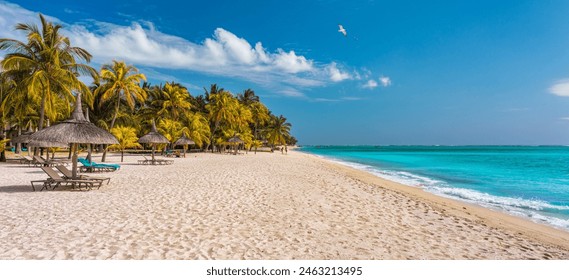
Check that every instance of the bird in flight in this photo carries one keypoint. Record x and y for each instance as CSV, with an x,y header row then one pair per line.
x,y
342,30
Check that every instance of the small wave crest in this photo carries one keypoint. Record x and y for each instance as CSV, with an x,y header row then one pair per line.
x,y
496,201
527,208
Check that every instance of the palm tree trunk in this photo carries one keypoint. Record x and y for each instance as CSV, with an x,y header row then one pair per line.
x,y
42,112
104,157
42,118
3,153
213,135
2,137
89,152
19,145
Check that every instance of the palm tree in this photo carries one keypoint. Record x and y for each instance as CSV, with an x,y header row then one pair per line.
x,y
121,82
223,110
197,127
174,101
279,131
126,137
243,119
3,87
171,129
18,107
260,116
248,97
50,64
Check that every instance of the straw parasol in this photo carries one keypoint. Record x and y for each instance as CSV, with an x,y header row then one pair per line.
x,y
75,130
235,140
185,141
153,137
23,138
46,144
26,138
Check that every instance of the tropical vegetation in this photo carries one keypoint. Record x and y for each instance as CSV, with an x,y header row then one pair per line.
x,y
40,76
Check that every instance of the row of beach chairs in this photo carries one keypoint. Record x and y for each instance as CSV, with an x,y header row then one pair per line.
x,y
55,180
146,161
39,161
97,167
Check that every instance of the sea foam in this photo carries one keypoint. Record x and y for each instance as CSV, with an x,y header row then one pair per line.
x,y
525,208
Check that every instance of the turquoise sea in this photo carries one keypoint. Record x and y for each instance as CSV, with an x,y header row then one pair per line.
x,y
527,181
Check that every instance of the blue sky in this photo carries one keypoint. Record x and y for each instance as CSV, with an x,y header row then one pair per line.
x,y
408,72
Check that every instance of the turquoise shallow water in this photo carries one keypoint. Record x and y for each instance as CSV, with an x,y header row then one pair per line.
x,y
527,181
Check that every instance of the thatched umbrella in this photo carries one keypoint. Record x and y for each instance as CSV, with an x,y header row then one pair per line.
x,y
185,141
75,130
45,144
153,137
26,138
23,138
235,140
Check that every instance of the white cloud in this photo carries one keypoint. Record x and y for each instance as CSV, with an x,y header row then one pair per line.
x,y
564,118
224,53
290,62
385,81
351,98
291,92
561,88
237,47
69,11
335,74
152,48
371,84
325,100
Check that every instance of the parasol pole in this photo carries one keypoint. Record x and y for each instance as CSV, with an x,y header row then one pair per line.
x,y
153,148
74,159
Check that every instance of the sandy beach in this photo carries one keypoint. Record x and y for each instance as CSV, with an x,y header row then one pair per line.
x,y
263,206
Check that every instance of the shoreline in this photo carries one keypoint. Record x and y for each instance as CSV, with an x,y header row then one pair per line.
x,y
541,232
534,208
264,206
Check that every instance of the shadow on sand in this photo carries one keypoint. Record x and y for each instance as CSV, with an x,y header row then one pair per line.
x,y
16,189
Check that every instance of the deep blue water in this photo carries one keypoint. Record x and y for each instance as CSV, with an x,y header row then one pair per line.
x,y
527,181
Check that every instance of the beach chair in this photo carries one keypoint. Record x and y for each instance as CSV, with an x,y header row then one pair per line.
x,y
144,161
67,174
155,161
55,181
93,166
26,160
39,161
160,161
60,161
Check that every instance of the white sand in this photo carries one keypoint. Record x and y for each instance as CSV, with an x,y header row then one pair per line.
x,y
264,206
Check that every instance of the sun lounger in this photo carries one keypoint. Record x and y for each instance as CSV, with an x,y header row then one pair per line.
x,y
26,160
143,161
55,181
155,161
93,166
39,161
67,174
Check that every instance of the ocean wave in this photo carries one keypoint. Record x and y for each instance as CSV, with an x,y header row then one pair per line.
x,y
526,208
498,201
